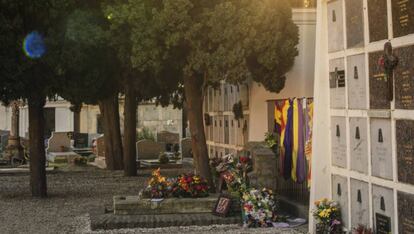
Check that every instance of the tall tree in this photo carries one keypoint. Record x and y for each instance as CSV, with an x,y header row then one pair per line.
x,y
232,40
30,73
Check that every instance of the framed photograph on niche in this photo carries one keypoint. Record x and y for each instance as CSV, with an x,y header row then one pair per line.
x,y
222,206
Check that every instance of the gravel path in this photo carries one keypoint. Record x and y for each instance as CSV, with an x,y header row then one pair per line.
x,y
72,194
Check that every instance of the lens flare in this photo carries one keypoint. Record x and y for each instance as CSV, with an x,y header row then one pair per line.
x,y
34,46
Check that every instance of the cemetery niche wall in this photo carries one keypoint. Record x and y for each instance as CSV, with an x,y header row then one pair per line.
x,y
371,134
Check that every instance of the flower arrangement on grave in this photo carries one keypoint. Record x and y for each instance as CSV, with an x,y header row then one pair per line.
x,y
189,185
259,208
271,141
158,186
328,216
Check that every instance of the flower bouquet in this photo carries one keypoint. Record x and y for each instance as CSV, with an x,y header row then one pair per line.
x,y
259,207
189,185
158,186
328,216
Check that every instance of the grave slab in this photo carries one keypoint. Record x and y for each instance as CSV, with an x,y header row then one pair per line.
x,y
404,78
340,194
402,17
405,150
335,26
357,90
381,148
338,141
378,85
383,209
359,203
337,83
354,23
377,20
359,144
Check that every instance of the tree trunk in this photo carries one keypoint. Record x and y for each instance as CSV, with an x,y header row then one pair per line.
x,y
193,87
130,134
109,108
37,147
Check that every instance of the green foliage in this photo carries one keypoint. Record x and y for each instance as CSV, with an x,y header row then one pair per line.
x,y
145,134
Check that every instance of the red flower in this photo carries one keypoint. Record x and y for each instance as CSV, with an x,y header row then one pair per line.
x,y
244,160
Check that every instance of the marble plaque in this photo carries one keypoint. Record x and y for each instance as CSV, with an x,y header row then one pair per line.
x,y
359,203
340,194
405,213
337,83
405,150
356,78
378,86
338,141
381,150
377,20
335,26
402,17
354,23
404,78
383,208
359,144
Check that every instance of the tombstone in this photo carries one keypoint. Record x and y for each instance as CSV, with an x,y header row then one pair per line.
x,y
186,148
337,83
404,82
377,20
383,209
381,151
335,26
264,168
354,23
402,17
359,144
378,86
81,140
338,141
4,139
405,213
58,142
149,149
340,194
100,146
168,137
359,203
356,78
405,150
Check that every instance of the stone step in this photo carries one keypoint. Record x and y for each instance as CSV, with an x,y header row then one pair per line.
x,y
111,221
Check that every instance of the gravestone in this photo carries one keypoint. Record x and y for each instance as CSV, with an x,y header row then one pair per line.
x,y
359,203
377,20
405,213
337,83
100,146
4,139
378,85
402,17
405,150
81,140
356,78
383,209
338,140
340,194
359,144
335,26
264,168
186,148
404,78
381,151
149,149
58,142
168,137
354,23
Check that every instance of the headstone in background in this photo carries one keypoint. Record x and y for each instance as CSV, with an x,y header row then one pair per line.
x,y
354,23
340,194
264,167
378,86
58,142
383,208
186,148
359,203
377,20
359,144
381,150
168,137
338,141
403,77
402,17
405,150
81,140
149,149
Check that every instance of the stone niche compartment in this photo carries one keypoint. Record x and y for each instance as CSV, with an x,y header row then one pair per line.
x,y
335,26
337,83
381,151
359,144
357,89
404,77
378,85
402,17
338,141
354,23
377,20
405,150
340,194
405,213
383,209
359,203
